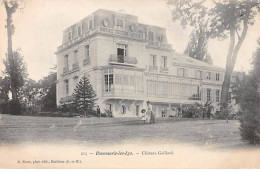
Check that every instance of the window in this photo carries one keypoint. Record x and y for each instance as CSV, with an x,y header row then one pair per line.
x,y
79,30
217,95
164,61
121,52
208,75
66,61
154,63
69,36
217,76
120,23
123,109
137,109
199,74
75,81
66,86
208,94
87,51
150,36
109,107
75,56
181,72
109,80
91,24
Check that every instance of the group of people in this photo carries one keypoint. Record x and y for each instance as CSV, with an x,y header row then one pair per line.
x,y
148,116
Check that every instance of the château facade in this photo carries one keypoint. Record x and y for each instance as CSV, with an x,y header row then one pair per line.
x,y
129,63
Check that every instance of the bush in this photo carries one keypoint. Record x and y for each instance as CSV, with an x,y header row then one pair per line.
x,y
15,107
190,111
249,127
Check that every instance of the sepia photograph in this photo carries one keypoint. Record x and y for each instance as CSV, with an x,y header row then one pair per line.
x,y
130,84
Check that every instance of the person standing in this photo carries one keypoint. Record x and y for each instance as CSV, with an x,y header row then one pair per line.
x,y
149,112
98,112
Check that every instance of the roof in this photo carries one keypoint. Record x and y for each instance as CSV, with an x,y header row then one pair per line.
x,y
184,60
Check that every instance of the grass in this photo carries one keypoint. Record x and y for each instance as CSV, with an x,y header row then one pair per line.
x,y
29,129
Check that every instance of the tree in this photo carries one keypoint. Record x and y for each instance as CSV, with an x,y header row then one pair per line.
x,y
226,18
11,7
247,96
17,81
197,46
19,69
29,95
85,96
47,90
4,98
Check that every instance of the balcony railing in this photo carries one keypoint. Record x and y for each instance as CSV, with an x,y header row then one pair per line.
x,y
65,69
104,30
164,69
75,65
67,99
86,61
158,45
151,68
125,60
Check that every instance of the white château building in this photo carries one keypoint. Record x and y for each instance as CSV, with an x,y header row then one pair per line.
x,y
129,63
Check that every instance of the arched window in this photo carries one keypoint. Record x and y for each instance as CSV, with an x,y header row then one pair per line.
x,y
123,109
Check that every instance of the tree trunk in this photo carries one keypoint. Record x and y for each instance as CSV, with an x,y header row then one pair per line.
x,y
228,72
231,61
9,12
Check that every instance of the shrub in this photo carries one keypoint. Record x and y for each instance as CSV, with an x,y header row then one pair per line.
x,y
249,127
190,111
15,107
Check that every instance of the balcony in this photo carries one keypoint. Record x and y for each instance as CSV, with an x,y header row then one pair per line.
x,y
122,60
159,45
65,69
164,69
102,30
75,65
75,68
153,68
86,61
67,99
133,35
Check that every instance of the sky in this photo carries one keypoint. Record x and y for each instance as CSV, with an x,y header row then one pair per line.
x,y
39,28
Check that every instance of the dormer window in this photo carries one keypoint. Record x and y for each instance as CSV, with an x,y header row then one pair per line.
x,y
217,76
120,23
91,24
164,62
70,36
79,30
208,75
150,36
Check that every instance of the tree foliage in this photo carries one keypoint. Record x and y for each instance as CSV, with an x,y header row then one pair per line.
x,y
47,91
197,46
85,96
225,19
19,70
11,6
247,96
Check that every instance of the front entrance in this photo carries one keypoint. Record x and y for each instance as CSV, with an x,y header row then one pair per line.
x,y
163,112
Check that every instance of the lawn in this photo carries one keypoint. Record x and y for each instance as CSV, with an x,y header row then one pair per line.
x,y
29,129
